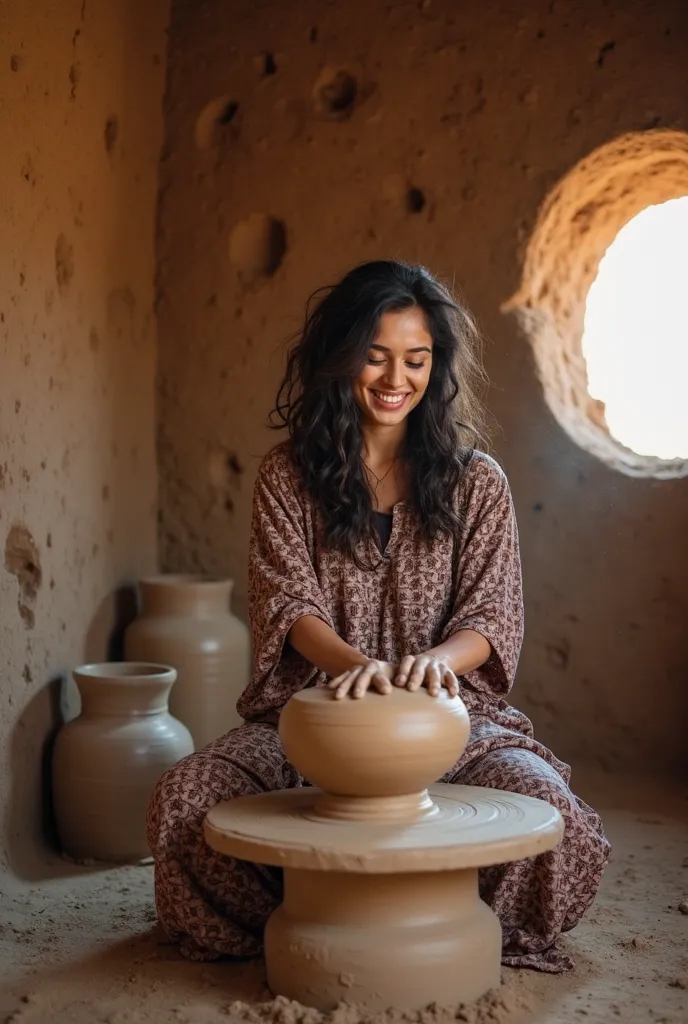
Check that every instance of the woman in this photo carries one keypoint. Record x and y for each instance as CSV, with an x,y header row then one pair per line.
x,y
383,552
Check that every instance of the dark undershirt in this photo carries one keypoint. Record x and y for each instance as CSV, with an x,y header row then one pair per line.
x,y
384,528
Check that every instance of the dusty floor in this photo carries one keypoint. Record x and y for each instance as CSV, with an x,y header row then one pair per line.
x,y
83,947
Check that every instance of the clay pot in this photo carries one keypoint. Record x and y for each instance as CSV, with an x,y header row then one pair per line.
x,y
107,761
370,750
186,621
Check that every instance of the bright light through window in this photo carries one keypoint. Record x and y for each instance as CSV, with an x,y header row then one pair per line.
x,y
635,340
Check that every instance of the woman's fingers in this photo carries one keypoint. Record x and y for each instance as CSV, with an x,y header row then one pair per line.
x,y
362,684
414,671
404,670
359,680
381,683
343,683
417,674
338,680
432,673
451,682
343,689
349,674
417,671
433,678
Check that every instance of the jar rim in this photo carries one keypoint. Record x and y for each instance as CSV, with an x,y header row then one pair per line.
x,y
125,671
175,579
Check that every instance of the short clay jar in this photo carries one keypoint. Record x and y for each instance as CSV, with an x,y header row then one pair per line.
x,y
375,756
107,760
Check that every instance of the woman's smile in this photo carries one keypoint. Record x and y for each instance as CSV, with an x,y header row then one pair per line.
x,y
389,400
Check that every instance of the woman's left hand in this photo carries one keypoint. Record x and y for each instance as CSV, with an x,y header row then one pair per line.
x,y
426,670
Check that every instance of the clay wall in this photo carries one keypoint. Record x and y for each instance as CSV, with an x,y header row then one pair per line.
x,y
80,128
464,117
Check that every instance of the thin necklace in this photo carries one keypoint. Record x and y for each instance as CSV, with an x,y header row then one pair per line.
x,y
380,478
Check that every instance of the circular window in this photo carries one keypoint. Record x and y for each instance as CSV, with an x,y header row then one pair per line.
x,y
605,282
635,336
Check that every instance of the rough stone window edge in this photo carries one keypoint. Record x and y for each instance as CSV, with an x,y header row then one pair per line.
x,y
576,224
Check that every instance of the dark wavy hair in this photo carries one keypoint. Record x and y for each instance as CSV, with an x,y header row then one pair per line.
x,y
316,404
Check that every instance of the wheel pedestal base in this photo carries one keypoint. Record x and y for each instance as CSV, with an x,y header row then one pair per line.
x,y
380,940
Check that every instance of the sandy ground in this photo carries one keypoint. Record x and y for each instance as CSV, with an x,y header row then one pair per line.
x,y
83,947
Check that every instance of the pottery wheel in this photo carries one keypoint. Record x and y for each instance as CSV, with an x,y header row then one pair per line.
x,y
381,905
382,914
472,827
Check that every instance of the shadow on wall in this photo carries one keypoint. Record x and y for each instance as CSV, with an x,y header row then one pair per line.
x,y
33,847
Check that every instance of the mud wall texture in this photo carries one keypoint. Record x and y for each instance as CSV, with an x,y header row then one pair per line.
x,y
302,138
81,124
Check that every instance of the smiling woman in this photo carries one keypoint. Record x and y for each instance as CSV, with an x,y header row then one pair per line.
x,y
397,370
377,399
382,383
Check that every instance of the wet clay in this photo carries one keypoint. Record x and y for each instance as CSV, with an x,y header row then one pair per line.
x,y
381,903
365,752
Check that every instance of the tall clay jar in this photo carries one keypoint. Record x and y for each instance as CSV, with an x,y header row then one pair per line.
x,y
186,621
107,760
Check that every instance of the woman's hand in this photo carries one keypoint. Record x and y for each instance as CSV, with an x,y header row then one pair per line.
x,y
357,681
426,670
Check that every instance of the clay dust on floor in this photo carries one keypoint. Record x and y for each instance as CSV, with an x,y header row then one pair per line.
x,y
84,948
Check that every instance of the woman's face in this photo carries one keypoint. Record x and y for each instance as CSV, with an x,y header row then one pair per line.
x,y
397,372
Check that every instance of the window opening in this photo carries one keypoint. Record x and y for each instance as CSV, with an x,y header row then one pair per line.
x,y
635,337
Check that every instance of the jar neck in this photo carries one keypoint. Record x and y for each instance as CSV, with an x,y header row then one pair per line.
x,y
188,596
126,697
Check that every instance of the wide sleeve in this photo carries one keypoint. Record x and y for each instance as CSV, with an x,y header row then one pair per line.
x,y
488,582
282,587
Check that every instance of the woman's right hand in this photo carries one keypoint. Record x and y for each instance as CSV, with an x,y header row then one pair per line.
x,y
357,681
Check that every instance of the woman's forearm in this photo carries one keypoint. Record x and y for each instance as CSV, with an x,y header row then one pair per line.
x,y
464,651
320,645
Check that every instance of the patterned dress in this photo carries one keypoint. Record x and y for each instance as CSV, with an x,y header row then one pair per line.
x,y
413,599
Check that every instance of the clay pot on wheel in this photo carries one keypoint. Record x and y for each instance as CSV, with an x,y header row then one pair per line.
x,y
377,755
186,621
107,761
